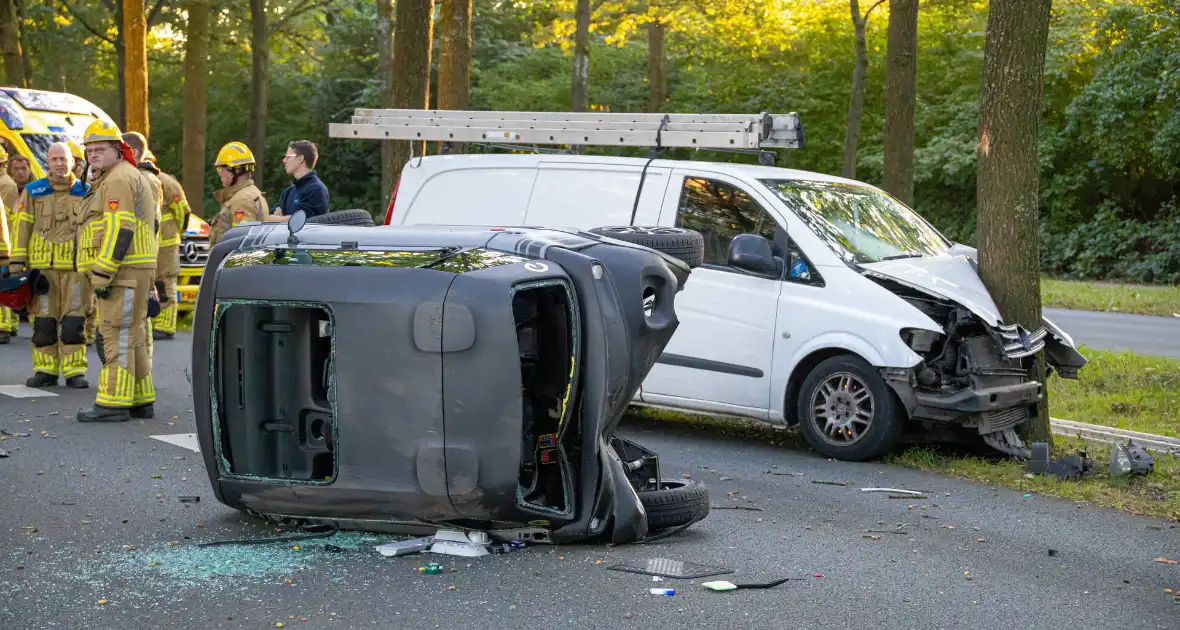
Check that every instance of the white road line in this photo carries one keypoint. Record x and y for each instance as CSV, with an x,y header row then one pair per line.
x,y
183,440
20,391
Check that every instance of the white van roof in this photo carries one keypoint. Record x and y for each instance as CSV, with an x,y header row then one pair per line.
x,y
438,163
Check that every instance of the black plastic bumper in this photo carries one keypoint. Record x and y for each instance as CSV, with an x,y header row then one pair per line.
x,y
976,401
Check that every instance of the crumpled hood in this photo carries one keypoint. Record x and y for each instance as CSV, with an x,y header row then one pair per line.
x,y
950,277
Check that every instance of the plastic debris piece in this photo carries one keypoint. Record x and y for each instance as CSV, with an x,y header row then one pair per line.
x,y
1028,496
665,567
669,592
3,453
432,568
405,547
1165,560
156,477
914,493
720,585
818,575
451,588
456,543
189,499
102,602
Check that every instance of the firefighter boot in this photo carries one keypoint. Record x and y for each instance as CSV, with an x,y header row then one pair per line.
x,y
41,379
103,414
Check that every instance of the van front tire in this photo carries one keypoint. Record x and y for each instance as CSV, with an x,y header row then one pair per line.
x,y
687,246
847,412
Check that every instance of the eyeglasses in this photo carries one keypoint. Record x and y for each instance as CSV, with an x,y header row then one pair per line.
x,y
290,156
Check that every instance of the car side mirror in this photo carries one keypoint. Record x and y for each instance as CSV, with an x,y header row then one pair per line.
x,y
750,252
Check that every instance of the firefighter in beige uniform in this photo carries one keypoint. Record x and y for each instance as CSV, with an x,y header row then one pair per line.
x,y
174,214
47,221
117,248
81,171
240,200
9,196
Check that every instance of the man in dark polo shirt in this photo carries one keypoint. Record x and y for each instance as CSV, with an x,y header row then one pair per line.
x,y
307,193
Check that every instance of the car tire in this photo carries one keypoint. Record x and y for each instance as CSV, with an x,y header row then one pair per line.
x,y
360,218
866,417
687,246
677,502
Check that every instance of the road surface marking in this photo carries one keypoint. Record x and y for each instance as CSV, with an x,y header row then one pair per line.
x,y
20,391
183,440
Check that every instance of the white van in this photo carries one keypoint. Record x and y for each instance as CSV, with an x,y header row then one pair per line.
x,y
821,301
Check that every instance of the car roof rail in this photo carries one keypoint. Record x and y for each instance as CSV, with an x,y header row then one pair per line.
x,y
726,132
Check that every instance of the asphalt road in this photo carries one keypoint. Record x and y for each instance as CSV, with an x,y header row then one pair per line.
x,y
75,501
1145,334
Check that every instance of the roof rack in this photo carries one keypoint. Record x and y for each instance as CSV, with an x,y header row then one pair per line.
x,y
661,131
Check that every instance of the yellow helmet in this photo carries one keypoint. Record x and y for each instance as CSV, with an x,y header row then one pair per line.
x,y
75,150
102,131
3,154
235,154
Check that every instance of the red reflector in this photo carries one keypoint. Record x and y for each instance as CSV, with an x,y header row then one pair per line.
x,y
393,198
496,230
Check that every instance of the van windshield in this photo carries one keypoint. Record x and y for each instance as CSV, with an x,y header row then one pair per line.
x,y
859,224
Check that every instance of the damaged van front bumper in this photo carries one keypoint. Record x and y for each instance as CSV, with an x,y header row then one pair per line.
x,y
467,378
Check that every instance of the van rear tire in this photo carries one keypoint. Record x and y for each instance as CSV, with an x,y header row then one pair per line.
x,y
687,246
360,218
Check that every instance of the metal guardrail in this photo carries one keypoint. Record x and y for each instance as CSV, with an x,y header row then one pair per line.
x,y
1111,435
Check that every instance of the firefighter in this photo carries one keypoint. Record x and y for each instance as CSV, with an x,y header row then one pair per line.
x,y
81,170
240,199
117,249
45,240
9,322
174,214
80,167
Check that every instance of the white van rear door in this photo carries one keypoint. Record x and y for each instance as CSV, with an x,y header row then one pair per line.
x,y
721,356
590,195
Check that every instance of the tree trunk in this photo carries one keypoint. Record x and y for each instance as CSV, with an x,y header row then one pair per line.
x,y
901,75
580,93
857,105
10,48
454,57
657,77
196,55
260,58
135,42
385,63
120,64
412,38
25,54
1008,170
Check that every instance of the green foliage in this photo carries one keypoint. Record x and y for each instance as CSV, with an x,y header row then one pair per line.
x,y
1110,139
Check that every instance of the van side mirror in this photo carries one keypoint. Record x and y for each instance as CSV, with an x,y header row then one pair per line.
x,y
750,252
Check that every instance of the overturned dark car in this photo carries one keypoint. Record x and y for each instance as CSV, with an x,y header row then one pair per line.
x,y
431,376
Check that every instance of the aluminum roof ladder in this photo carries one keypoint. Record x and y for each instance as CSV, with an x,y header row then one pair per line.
x,y
726,132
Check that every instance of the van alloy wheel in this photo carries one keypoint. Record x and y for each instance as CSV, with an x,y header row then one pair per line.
x,y
842,409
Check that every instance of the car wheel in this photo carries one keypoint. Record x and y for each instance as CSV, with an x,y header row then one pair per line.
x,y
344,217
677,502
687,246
847,412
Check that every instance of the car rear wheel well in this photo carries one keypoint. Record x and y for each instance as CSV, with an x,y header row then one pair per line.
x,y
799,374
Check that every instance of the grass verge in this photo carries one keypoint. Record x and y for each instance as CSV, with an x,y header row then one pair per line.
x,y
1123,390
1156,495
1104,296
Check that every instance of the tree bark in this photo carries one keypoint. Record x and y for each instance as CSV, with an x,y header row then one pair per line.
x,y
657,77
1007,167
412,39
135,42
259,83
25,53
454,57
121,64
196,55
857,105
901,76
10,48
385,62
580,92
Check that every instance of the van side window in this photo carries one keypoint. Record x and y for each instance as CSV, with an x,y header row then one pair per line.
x,y
799,269
720,212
